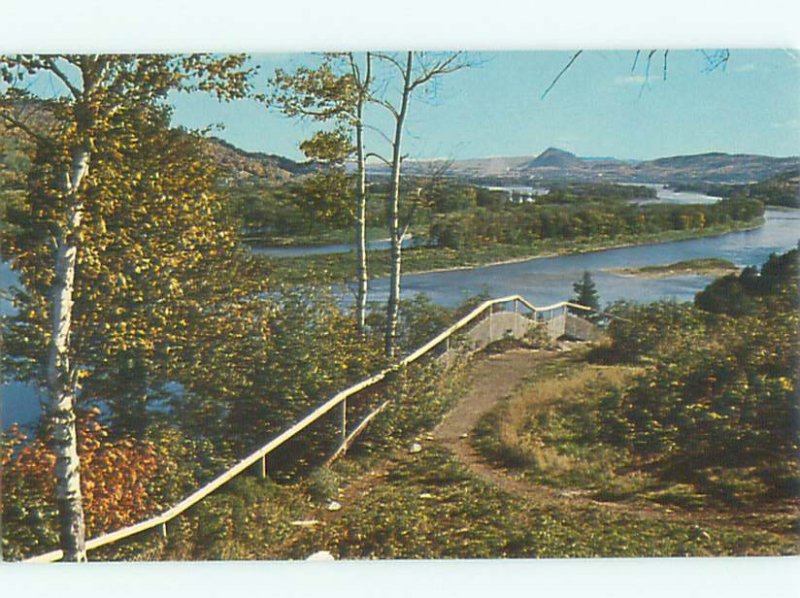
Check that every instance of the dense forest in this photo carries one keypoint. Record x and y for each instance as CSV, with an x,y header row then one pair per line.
x,y
528,223
780,190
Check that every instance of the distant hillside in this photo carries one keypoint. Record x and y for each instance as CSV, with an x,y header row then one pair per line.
x,y
553,157
244,164
554,164
240,163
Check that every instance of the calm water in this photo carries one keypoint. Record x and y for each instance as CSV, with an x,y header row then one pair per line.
x,y
547,280
542,281
664,195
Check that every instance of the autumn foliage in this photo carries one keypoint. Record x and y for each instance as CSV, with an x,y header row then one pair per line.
x,y
117,478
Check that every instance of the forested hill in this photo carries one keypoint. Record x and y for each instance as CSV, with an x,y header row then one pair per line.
x,y
235,161
781,190
244,164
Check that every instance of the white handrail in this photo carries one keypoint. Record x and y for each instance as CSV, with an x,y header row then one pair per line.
x,y
298,427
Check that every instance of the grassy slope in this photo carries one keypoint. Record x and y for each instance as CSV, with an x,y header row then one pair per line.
x,y
427,505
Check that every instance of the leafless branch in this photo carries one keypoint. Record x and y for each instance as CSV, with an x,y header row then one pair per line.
x,y
53,67
561,73
15,123
379,157
635,61
377,130
449,64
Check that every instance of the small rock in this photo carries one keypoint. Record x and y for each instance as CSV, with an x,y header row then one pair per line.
x,y
426,495
321,555
464,435
415,448
334,506
306,523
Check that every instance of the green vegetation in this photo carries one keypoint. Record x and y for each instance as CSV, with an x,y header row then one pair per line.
x,y
428,506
335,268
701,409
706,265
311,350
528,224
781,190
586,292
594,192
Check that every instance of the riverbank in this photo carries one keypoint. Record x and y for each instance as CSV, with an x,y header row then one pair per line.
x,y
334,237
700,267
338,267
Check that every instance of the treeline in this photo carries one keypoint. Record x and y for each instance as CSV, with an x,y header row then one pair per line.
x,y
780,190
525,224
718,405
312,206
591,192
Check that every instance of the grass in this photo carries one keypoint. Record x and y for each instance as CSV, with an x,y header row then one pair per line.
x,y
550,432
335,268
428,506
708,266
545,429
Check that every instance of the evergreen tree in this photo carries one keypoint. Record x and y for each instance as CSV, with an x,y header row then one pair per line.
x,y
586,292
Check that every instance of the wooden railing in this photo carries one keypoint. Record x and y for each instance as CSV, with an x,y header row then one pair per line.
x,y
339,400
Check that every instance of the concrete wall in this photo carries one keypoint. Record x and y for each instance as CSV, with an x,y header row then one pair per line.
x,y
504,324
581,329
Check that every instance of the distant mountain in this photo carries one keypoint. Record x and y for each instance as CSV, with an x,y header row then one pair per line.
x,y
555,164
553,157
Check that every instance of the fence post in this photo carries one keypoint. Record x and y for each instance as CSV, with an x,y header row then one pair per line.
x,y
264,467
344,420
491,332
164,530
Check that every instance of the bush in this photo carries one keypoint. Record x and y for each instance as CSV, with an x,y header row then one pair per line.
x,y
323,484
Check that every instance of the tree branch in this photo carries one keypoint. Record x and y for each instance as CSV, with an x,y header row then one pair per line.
x,y
379,157
18,124
561,73
56,70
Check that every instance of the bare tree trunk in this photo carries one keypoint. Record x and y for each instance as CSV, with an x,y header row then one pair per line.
x,y
61,377
361,197
361,233
395,232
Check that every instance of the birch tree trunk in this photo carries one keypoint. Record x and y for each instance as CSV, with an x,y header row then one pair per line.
x,y
361,230
61,377
395,232
361,197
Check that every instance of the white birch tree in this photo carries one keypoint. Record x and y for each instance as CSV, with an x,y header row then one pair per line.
x,y
92,93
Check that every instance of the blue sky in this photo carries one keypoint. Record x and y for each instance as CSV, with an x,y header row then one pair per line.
x,y
599,107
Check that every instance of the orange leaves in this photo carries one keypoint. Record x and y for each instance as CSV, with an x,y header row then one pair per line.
x,y
115,475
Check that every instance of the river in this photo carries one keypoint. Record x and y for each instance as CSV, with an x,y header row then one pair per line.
x,y
550,279
541,280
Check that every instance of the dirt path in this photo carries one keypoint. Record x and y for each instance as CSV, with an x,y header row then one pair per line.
x,y
496,377
491,380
